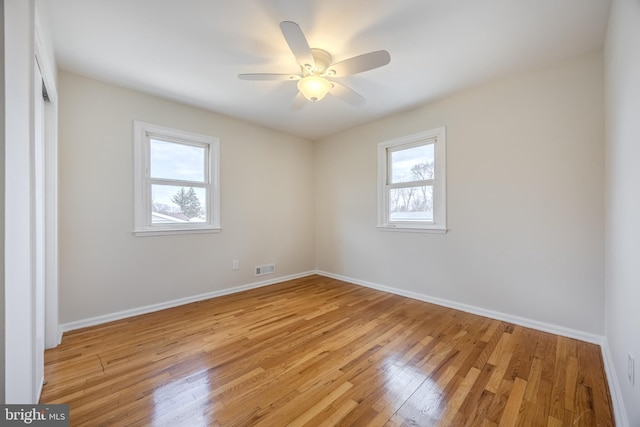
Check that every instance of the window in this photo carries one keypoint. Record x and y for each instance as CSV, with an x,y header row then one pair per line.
x,y
411,183
176,181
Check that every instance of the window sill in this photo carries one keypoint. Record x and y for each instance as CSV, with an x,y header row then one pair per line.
x,y
151,233
409,229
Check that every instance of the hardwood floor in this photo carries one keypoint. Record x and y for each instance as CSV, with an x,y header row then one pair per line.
x,y
320,352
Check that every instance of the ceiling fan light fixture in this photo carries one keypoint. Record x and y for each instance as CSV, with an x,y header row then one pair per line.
x,y
317,69
314,88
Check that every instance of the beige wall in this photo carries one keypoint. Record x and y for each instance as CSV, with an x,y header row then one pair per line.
x,y
21,358
267,183
525,200
622,54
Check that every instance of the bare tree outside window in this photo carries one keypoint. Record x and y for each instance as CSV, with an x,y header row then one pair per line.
x,y
413,202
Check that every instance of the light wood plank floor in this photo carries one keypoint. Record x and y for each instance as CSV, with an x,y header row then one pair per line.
x,y
321,352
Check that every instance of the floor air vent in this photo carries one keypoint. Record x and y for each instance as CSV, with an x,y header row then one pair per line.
x,y
265,269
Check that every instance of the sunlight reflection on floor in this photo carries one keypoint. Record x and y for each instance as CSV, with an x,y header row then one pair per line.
x,y
419,392
183,402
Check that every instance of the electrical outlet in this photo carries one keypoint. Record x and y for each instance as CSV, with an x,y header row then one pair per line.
x,y
631,369
236,264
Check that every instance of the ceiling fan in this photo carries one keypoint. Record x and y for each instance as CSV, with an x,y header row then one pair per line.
x,y
317,69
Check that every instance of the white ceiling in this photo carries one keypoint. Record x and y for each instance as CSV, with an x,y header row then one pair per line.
x,y
193,50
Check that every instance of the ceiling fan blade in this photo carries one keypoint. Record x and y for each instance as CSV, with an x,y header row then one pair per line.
x,y
346,94
358,64
298,102
268,76
297,43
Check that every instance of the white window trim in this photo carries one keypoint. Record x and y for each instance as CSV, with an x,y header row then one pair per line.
x,y
439,223
142,181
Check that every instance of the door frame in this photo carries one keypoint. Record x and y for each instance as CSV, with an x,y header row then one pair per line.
x,y
46,64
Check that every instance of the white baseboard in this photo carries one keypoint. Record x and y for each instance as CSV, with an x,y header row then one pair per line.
x,y
39,391
92,321
617,402
522,321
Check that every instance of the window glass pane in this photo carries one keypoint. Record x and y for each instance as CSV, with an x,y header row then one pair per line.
x,y
411,164
170,160
411,203
172,204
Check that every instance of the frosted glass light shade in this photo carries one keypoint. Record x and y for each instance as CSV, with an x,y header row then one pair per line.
x,y
314,88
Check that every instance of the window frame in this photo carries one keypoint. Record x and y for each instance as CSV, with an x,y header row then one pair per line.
x,y
437,137
143,225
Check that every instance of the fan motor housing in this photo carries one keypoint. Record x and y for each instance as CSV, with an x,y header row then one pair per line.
x,y
322,59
